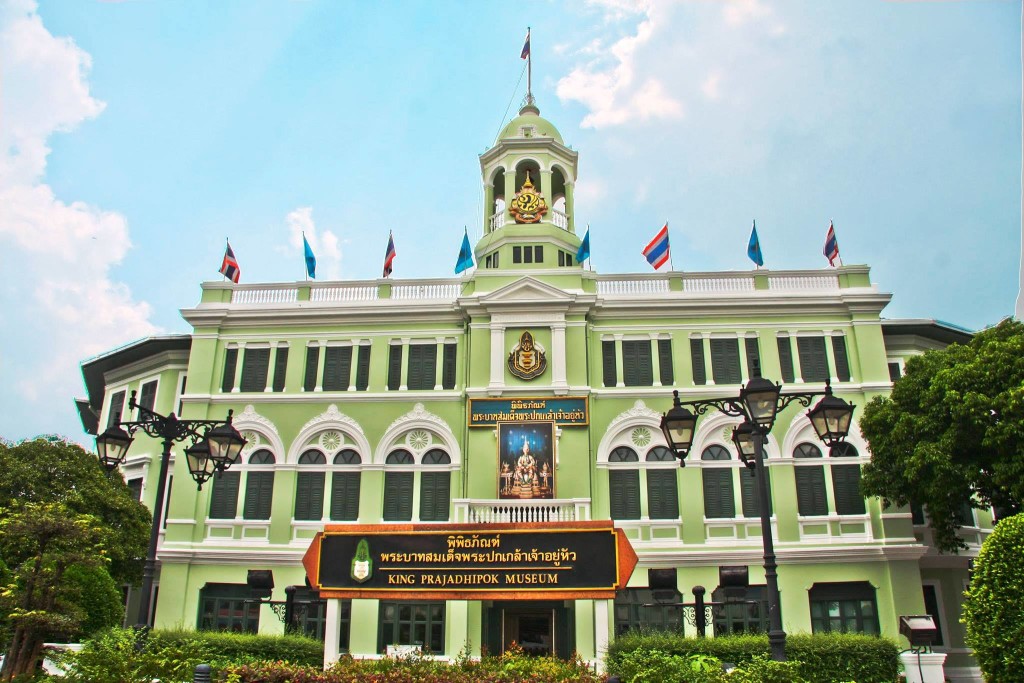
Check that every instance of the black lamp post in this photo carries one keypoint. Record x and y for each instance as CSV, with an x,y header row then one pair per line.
x,y
216,445
758,404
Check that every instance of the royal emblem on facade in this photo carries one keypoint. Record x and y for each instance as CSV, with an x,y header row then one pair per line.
x,y
528,206
526,360
362,565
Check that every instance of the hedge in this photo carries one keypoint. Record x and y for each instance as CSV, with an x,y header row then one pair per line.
x,y
248,647
824,657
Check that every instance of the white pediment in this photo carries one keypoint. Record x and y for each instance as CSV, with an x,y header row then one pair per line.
x,y
527,290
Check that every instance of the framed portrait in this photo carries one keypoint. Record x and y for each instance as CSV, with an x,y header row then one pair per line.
x,y
526,460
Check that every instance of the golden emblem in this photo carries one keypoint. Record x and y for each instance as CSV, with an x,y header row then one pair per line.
x,y
527,361
528,206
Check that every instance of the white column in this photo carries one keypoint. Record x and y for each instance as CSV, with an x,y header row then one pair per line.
x,y
931,668
558,378
439,364
238,368
601,610
619,365
271,364
830,358
709,367
403,385
741,342
794,352
497,356
655,360
320,365
332,631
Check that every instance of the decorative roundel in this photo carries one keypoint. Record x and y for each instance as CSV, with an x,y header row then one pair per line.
x,y
641,436
418,439
252,440
727,434
331,440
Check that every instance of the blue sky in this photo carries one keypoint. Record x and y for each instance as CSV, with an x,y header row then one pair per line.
x,y
136,136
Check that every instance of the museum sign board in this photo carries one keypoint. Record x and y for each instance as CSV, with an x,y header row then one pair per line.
x,y
564,411
540,561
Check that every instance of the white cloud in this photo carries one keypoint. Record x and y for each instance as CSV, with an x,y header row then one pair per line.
x,y
712,85
61,304
325,245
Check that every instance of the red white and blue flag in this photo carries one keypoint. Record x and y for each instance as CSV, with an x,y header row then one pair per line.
x,y
389,255
831,250
229,266
526,46
657,252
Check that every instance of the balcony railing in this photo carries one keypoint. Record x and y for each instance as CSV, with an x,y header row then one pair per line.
x,y
502,511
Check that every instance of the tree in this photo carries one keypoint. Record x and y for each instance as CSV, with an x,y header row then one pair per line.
x,y
993,611
951,434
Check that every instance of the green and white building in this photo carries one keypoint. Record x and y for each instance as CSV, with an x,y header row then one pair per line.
x,y
355,400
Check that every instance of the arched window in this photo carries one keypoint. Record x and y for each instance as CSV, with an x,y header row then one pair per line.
x,y
810,481
398,487
719,495
435,487
309,486
624,485
662,486
345,483
846,482
259,486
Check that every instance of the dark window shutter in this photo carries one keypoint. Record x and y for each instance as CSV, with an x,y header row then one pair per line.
x,y
147,395
719,498
337,368
624,489
280,368
259,494
750,494
230,359
842,360
753,356
135,488
363,368
345,496
637,369
786,359
665,362
434,496
810,491
448,368
813,362
517,254
255,364
931,607
309,496
224,500
395,367
116,407
398,496
846,486
725,361
312,361
422,366
894,371
608,362
662,494
700,376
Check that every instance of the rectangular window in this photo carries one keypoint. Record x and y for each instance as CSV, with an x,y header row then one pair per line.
x,y
227,607
719,497
846,486
637,369
448,367
844,608
561,258
395,367
624,489
228,380
312,364
636,608
931,607
345,496
495,262
116,407
568,259
842,360
665,362
527,254
422,366
255,364
434,496
786,359
813,361
147,395
181,392
753,356
412,623
363,368
894,371
398,496
337,368
746,612
224,500
751,494
259,494
517,254
309,496
700,375
538,254
662,494
725,361
135,488
608,368
810,490
280,368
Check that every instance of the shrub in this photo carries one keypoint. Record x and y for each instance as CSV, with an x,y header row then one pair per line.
x,y
249,647
993,612
123,655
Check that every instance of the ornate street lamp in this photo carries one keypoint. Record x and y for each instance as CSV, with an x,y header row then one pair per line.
x,y
216,445
759,402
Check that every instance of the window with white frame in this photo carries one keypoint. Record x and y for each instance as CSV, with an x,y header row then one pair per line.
x,y
812,489
660,477
309,486
432,475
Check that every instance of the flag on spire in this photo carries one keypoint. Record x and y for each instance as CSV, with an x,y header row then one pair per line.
x,y
310,258
584,251
465,254
831,250
754,247
229,266
526,46
389,255
657,251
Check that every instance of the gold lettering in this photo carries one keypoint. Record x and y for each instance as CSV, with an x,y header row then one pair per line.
x,y
401,579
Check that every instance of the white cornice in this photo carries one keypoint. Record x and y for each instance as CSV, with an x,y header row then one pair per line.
x,y
809,553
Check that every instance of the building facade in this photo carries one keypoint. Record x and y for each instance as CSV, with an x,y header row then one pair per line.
x,y
413,401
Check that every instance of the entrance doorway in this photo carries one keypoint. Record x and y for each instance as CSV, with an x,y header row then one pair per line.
x,y
531,629
540,627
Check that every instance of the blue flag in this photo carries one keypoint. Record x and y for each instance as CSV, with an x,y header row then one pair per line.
x,y
310,259
465,255
584,252
754,247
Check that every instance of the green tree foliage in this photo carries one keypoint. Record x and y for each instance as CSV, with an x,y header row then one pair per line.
x,y
951,434
993,611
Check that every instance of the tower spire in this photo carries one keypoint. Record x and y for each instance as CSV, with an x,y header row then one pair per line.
x,y
526,54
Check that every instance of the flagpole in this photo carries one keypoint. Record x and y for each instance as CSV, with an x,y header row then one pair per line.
x,y
529,69
305,266
832,224
671,264
227,243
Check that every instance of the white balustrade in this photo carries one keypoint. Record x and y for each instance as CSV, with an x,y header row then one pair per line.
x,y
718,285
803,282
559,219
343,293
445,291
497,220
512,511
634,287
274,295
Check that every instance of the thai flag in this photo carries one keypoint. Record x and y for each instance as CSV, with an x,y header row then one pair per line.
x,y
656,252
831,250
526,46
229,266
389,255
